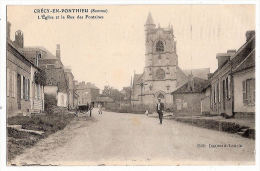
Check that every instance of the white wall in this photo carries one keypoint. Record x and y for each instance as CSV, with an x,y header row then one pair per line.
x,y
238,91
51,90
62,99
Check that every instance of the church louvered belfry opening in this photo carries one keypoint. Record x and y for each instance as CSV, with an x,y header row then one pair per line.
x,y
159,46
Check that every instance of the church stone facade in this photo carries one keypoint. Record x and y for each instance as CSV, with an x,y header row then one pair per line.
x,y
161,74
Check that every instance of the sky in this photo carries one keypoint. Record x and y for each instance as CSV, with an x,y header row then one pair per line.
x,y
108,51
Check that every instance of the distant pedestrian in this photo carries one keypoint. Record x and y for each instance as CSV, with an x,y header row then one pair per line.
x,y
91,106
99,108
160,109
146,112
87,107
76,112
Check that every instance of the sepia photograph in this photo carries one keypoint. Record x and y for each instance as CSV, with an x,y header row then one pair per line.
x,y
130,85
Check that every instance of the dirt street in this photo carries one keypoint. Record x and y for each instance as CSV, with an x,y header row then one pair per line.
x,y
130,139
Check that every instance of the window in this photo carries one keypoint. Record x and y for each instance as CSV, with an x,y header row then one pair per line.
x,y
249,92
214,94
160,73
38,55
24,87
28,89
226,87
159,46
13,83
229,86
8,82
161,96
219,92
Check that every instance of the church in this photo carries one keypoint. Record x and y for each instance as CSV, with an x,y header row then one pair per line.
x,y
161,74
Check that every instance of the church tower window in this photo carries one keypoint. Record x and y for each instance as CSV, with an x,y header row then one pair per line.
x,y
159,46
160,73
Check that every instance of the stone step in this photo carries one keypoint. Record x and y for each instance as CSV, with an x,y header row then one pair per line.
x,y
243,129
19,128
241,133
14,126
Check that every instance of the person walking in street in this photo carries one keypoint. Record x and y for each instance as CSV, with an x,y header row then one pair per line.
x,y
160,109
90,109
99,108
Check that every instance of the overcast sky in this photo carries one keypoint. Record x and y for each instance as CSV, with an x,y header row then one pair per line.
x,y
108,51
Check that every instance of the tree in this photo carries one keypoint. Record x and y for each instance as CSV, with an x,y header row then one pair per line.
x,y
113,93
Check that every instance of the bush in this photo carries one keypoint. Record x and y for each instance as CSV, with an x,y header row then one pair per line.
x,y
50,102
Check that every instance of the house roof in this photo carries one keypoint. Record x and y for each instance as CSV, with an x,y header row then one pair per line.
x,y
239,56
48,54
56,77
20,53
248,62
88,85
193,85
137,78
181,77
200,72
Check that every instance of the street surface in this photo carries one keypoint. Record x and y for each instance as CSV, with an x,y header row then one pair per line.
x,y
130,139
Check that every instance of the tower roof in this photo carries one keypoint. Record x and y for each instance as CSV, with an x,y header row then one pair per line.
x,y
149,20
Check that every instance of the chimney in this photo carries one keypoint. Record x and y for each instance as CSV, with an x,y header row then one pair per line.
x,y
222,58
58,51
8,30
209,75
19,39
231,51
250,34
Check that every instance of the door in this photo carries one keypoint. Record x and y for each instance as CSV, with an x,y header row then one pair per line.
x,y
19,91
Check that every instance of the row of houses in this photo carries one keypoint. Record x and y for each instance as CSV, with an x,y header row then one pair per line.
x,y
229,91
35,75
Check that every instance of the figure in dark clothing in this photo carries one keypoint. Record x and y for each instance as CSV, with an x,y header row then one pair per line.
x,y
87,106
90,109
160,109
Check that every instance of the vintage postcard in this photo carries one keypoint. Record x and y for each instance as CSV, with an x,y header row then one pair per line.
x,y
130,85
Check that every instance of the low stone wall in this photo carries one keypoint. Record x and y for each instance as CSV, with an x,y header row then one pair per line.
x,y
219,125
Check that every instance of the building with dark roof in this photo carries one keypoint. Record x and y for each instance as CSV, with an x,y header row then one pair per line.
x,y
233,83
87,93
187,97
58,81
24,91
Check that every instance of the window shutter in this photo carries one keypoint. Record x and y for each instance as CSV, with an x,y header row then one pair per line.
x,y
244,93
229,86
7,82
26,89
23,89
218,93
29,85
14,88
248,91
253,91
